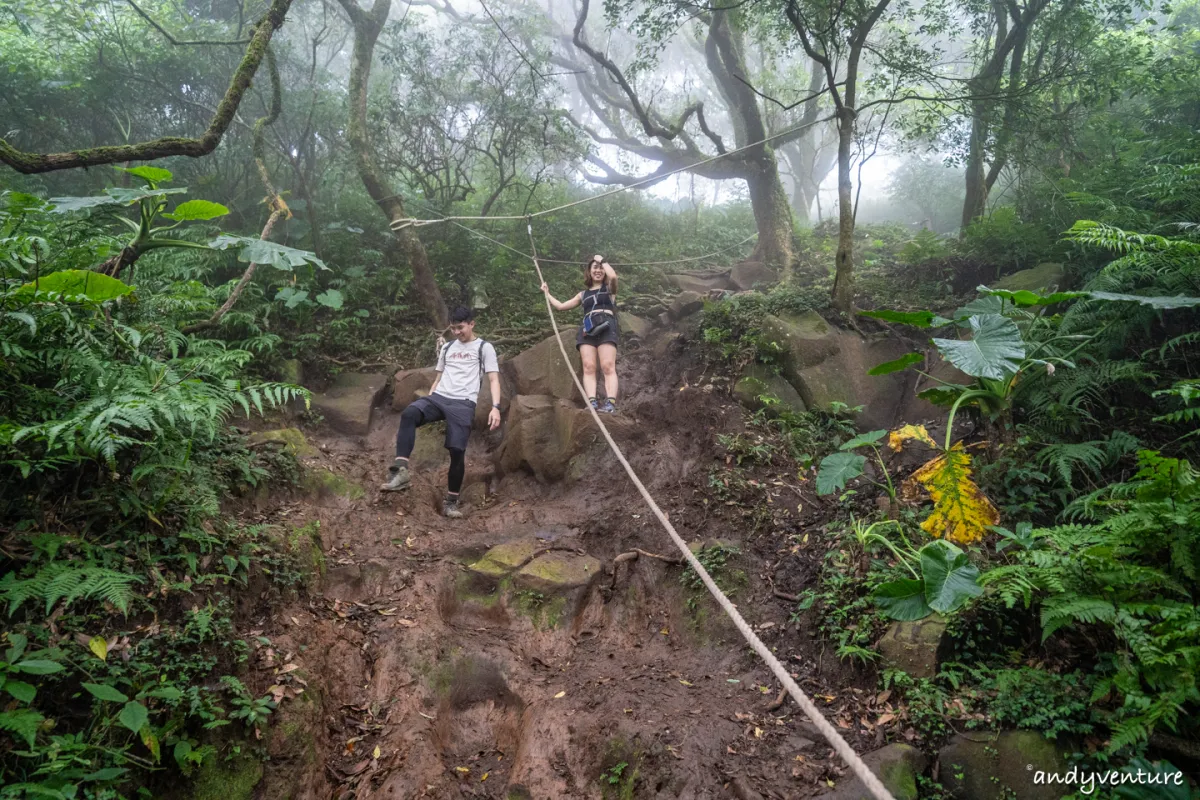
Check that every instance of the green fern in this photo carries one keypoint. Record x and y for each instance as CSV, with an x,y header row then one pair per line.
x,y
22,722
69,583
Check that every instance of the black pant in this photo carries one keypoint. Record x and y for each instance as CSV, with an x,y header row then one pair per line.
x,y
458,416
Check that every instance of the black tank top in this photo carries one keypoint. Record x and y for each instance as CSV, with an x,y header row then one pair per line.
x,y
598,299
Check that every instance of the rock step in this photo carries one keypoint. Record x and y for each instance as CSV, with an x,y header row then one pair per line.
x,y
349,404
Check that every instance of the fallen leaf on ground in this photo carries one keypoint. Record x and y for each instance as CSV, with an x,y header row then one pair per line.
x,y
376,753
560,694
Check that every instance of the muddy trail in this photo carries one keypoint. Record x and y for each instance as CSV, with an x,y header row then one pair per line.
x,y
428,664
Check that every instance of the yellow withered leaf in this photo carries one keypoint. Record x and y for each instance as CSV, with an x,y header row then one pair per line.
x,y
99,647
898,437
961,512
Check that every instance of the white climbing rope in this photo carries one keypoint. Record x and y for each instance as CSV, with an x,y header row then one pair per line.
x,y
861,770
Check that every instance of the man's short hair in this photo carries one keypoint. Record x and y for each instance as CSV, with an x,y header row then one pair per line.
x,y
462,314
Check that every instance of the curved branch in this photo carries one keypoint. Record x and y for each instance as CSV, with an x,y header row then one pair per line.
x,y
32,163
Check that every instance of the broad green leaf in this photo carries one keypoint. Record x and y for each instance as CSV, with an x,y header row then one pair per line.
x,y
980,305
251,250
109,773
942,395
16,647
903,599
197,210
134,716
21,316
78,283
836,469
164,693
917,319
1152,781
871,437
65,205
99,647
21,690
130,196
950,578
903,362
292,297
1024,297
1179,301
183,749
18,202
994,350
102,691
38,666
330,298
155,174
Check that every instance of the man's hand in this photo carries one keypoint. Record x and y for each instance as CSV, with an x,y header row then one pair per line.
x,y
494,419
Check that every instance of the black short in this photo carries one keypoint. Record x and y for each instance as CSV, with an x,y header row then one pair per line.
x,y
459,416
610,336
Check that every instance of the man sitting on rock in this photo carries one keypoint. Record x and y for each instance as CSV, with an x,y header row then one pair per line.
x,y
460,368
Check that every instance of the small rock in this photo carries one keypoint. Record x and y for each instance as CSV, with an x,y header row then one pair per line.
x,y
292,439
558,572
635,326
758,381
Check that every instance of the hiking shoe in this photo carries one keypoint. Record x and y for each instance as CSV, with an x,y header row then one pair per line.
x,y
609,407
451,510
399,481
592,402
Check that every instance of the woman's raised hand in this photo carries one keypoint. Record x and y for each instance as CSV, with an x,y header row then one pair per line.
x,y
545,288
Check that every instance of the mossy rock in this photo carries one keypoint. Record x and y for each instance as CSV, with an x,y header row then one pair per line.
x,y
324,482
504,559
218,779
292,440
1045,276
291,371
997,766
912,645
757,381
558,572
305,543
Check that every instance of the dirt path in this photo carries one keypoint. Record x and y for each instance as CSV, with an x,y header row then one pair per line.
x,y
423,684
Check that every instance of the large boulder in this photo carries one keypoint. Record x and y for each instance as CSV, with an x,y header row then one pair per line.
x,y
349,404
540,369
701,283
827,365
995,766
685,304
912,645
751,274
635,326
1048,276
897,767
758,380
544,434
409,384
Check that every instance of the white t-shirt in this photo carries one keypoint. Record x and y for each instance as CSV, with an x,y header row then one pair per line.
x,y
459,364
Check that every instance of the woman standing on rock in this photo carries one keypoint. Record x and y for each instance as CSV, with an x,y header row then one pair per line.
x,y
598,335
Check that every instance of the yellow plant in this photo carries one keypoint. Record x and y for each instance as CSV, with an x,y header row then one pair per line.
x,y
961,511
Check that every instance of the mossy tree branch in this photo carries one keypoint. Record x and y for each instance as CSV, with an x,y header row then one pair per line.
x,y
32,163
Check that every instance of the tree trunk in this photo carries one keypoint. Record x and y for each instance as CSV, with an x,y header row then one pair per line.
x,y
975,202
772,215
843,280
367,28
